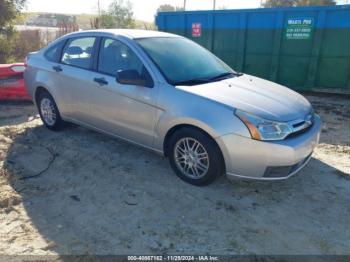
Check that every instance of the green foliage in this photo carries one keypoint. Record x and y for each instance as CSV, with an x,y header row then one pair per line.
x,y
315,2
169,8
291,3
21,18
118,15
5,50
279,3
9,10
24,42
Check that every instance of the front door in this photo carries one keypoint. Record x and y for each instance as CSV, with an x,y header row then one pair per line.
x,y
124,110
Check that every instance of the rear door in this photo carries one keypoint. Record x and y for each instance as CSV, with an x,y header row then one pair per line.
x,y
47,72
125,110
74,71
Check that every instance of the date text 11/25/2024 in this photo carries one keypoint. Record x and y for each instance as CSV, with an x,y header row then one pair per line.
x,y
173,258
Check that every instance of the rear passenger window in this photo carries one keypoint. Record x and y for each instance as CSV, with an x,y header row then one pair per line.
x,y
78,52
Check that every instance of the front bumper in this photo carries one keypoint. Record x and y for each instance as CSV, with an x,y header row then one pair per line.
x,y
248,158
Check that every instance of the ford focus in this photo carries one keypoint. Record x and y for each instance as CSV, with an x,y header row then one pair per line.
x,y
168,94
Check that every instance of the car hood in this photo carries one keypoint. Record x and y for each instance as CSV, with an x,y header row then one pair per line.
x,y
255,95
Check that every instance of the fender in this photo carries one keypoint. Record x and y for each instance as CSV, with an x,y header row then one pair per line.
x,y
181,108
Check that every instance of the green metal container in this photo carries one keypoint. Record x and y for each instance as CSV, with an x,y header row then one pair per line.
x,y
305,48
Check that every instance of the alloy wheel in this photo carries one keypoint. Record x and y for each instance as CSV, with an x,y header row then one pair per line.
x,y
48,111
191,158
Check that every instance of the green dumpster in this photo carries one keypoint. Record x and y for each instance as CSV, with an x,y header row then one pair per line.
x,y
305,48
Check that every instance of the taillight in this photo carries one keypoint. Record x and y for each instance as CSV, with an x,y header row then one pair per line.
x,y
18,68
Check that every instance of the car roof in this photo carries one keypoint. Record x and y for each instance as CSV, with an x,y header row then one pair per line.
x,y
129,33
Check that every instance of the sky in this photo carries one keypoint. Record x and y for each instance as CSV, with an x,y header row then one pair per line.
x,y
143,9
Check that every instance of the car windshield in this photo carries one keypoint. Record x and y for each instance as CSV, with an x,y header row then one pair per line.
x,y
183,62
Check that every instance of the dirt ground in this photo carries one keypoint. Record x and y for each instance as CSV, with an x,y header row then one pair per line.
x,y
80,192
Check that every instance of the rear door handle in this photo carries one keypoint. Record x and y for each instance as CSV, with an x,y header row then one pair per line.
x,y
57,68
101,81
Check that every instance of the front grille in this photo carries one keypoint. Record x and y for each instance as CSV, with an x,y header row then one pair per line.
x,y
301,126
297,133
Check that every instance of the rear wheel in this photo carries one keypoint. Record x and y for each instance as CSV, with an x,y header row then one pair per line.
x,y
48,111
195,157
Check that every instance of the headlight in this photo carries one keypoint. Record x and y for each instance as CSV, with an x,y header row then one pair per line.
x,y
262,129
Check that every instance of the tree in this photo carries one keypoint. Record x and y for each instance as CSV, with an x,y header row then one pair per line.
x,y
169,8
9,10
279,3
25,41
118,15
165,8
291,3
315,2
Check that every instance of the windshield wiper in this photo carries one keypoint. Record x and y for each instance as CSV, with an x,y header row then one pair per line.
x,y
192,82
207,80
224,76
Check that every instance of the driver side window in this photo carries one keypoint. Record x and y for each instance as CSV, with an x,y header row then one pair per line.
x,y
115,56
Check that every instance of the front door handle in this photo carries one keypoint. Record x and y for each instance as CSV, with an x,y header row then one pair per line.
x,y
101,81
57,68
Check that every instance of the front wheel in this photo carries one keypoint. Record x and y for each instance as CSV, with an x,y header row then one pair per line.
x,y
195,157
49,112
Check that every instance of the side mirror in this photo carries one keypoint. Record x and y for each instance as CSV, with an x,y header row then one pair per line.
x,y
130,77
74,50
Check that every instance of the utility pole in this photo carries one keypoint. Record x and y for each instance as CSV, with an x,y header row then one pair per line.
x,y
184,5
98,8
214,4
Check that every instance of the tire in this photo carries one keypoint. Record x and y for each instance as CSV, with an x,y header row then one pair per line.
x,y
49,112
195,157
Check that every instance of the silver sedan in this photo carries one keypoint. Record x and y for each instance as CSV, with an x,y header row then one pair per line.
x,y
168,94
